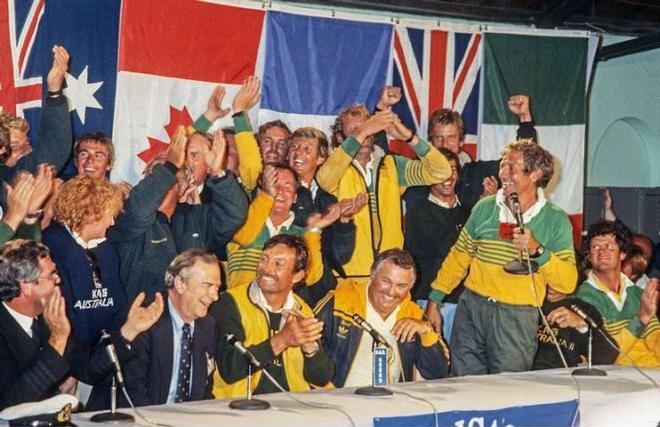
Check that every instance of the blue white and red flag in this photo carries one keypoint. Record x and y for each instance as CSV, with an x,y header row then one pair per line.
x,y
315,67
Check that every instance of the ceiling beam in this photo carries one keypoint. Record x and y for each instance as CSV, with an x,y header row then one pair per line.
x,y
617,50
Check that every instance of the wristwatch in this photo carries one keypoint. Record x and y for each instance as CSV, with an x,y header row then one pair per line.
x,y
538,253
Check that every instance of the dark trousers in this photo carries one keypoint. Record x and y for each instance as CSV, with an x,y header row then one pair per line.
x,y
490,337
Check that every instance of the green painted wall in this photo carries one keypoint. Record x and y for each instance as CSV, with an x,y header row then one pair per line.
x,y
623,136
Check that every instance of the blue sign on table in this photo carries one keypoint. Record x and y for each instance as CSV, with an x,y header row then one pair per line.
x,y
562,414
380,367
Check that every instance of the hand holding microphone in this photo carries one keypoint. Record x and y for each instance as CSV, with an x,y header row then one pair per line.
x,y
522,239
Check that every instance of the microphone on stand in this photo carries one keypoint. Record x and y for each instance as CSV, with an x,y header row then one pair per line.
x,y
518,266
117,379
112,354
249,403
517,212
375,335
379,367
588,371
251,358
584,316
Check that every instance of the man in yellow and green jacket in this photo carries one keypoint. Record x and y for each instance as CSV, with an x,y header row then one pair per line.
x,y
357,166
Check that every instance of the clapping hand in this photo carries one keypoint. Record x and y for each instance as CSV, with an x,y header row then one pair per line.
x,y
140,318
349,207
58,70
215,157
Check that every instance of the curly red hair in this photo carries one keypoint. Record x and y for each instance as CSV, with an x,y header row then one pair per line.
x,y
84,200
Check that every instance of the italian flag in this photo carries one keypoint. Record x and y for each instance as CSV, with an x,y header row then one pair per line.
x,y
554,72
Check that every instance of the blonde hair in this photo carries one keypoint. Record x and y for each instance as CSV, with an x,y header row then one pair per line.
x,y
12,122
534,157
337,128
309,132
84,200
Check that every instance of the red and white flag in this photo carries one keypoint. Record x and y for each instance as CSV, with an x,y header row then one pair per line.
x,y
172,54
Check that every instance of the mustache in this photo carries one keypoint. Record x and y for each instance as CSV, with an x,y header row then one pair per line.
x,y
262,275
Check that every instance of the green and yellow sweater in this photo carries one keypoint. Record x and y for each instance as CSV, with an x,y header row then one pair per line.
x,y
639,342
481,249
378,227
245,248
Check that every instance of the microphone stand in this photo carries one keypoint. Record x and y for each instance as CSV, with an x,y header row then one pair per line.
x,y
519,267
591,325
247,404
589,371
117,380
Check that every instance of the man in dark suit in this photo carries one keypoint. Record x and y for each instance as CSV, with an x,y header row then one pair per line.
x,y
38,353
174,359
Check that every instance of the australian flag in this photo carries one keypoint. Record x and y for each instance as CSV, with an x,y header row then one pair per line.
x,y
88,30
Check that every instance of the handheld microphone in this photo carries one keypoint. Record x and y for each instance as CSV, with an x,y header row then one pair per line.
x,y
110,349
249,356
375,335
584,316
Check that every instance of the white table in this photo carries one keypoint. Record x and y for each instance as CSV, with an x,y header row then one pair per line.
x,y
623,398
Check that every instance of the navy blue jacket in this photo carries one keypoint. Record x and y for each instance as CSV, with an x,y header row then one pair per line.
x,y
32,370
148,241
149,372
90,308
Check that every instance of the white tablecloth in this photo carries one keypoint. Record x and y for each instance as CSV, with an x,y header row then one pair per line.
x,y
623,398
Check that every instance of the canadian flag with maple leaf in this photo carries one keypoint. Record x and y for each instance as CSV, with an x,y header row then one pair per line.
x,y
167,70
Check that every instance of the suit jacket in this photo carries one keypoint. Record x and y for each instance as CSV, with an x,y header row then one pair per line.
x,y
30,369
149,372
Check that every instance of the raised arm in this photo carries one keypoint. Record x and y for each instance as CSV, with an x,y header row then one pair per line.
x,y
141,207
54,134
520,106
431,168
334,168
228,208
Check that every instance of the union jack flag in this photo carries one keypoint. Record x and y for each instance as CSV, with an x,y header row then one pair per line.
x,y
18,26
437,69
